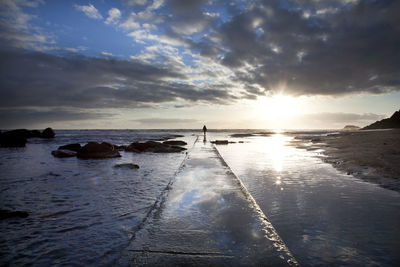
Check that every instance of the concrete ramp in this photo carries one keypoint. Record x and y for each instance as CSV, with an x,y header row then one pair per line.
x,y
206,217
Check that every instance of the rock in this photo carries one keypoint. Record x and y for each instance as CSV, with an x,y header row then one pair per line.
x,y
63,153
35,133
242,135
15,138
72,147
169,136
6,214
127,165
18,138
94,150
390,123
152,146
120,148
140,147
220,142
351,128
48,133
175,143
167,149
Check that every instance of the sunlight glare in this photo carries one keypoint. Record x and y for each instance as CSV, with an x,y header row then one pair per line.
x,y
277,106
277,148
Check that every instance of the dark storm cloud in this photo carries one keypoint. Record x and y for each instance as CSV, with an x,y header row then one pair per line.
x,y
302,47
313,47
38,79
13,118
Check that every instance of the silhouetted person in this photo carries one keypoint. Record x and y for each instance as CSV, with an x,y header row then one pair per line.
x,y
204,131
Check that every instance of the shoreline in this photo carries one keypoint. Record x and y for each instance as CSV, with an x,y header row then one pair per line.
x,y
373,156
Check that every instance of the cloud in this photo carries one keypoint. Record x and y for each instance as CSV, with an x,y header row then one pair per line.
x,y
89,11
15,28
29,117
82,82
212,52
130,23
334,51
135,2
114,16
106,54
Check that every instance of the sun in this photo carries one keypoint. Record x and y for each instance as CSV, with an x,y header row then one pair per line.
x,y
276,110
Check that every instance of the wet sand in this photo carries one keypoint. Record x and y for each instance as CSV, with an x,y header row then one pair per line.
x,y
373,156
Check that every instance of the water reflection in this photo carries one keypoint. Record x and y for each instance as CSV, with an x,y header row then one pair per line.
x,y
322,215
276,148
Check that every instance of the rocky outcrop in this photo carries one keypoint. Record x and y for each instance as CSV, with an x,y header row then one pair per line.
x,y
6,214
127,166
15,138
94,150
63,153
168,136
175,143
222,142
18,138
72,147
48,133
152,146
351,128
242,135
120,148
389,123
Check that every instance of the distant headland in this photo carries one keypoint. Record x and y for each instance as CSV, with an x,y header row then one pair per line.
x,y
389,123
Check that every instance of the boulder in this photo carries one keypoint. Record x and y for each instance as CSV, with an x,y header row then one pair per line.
x,y
152,146
220,142
127,166
242,135
94,150
48,133
169,136
63,153
72,147
14,138
35,133
167,149
120,148
6,214
140,147
175,143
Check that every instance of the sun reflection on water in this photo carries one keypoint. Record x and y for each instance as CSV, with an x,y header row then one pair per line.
x,y
276,147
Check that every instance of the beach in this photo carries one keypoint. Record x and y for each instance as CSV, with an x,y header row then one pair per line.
x,y
258,197
372,155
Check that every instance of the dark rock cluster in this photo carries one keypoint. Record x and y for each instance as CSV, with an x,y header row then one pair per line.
x,y
6,214
126,166
155,147
94,150
91,150
18,138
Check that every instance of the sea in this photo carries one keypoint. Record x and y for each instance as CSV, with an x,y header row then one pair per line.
x,y
85,212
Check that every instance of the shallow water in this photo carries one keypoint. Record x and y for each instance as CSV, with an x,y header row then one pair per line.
x,y
85,212
81,211
324,216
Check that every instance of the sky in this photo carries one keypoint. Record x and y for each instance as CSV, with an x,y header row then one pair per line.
x,y
169,64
